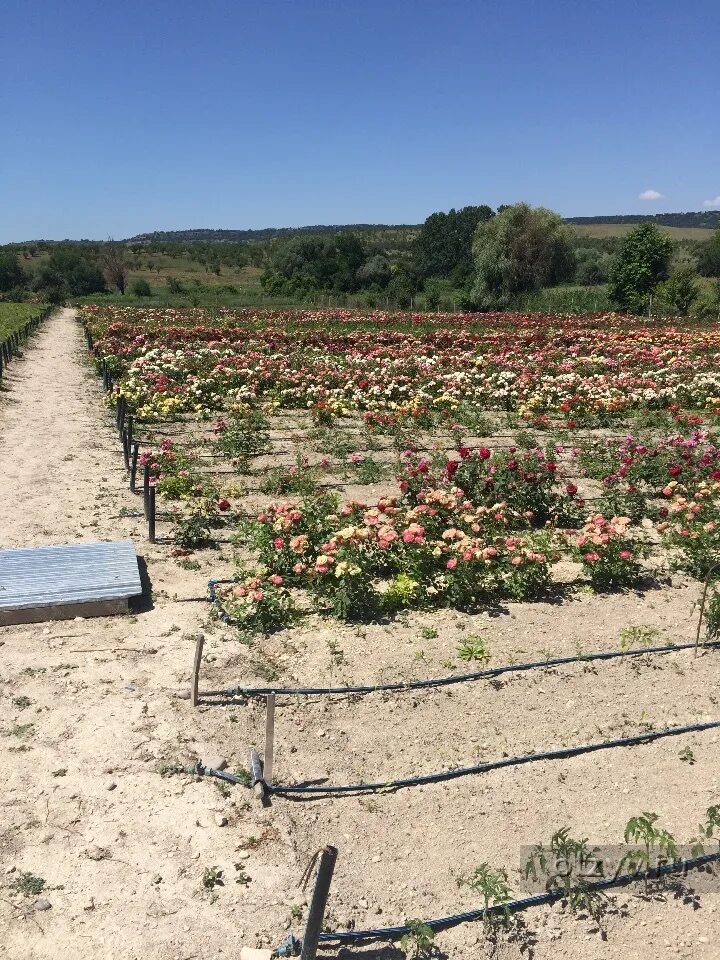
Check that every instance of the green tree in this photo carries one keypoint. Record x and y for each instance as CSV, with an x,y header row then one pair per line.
x,y
12,274
375,272
444,245
518,251
709,258
680,290
141,288
403,286
642,264
65,273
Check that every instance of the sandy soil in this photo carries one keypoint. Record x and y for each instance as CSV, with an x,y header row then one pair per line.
x,y
92,728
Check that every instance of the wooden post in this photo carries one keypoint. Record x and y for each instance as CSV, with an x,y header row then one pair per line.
x,y
326,868
133,464
146,490
269,738
151,515
199,643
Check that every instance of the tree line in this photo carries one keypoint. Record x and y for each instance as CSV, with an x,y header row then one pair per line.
x,y
474,258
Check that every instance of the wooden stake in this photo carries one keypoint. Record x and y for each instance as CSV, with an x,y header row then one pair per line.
x,y
316,914
146,490
199,643
151,515
133,464
269,738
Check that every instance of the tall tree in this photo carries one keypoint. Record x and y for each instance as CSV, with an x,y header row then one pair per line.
x,y
709,259
444,245
520,250
12,274
643,263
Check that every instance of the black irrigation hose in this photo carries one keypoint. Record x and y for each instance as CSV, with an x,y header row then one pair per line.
x,y
434,682
515,906
562,753
448,681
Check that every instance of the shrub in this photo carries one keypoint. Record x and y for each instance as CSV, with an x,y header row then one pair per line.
x,y
610,557
141,288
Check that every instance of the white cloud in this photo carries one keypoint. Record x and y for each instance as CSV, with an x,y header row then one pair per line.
x,y
650,195
715,202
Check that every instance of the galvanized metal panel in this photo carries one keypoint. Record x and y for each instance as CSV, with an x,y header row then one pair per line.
x,y
78,573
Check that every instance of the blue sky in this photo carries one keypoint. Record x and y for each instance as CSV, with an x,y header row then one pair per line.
x,y
164,114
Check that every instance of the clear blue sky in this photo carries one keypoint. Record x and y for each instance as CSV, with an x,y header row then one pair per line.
x,y
123,117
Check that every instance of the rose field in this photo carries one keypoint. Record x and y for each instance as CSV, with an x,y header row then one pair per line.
x,y
368,465
472,561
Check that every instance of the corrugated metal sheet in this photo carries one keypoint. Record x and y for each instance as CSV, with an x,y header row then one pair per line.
x,y
81,573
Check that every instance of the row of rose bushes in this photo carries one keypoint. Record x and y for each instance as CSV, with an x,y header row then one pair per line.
x,y
467,531
574,367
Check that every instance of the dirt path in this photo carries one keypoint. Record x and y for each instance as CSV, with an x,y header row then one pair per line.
x,y
85,737
93,739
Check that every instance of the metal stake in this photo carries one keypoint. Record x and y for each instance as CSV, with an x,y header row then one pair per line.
x,y
326,868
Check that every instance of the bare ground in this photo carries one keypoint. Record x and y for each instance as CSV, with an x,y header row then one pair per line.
x,y
123,848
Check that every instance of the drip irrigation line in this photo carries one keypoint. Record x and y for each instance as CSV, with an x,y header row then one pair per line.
x,y
453,679
381,787
450,680
515,906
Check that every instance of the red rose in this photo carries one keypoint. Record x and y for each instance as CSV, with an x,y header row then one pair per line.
x,y
464,452
675,471
571,489
484,453
223,505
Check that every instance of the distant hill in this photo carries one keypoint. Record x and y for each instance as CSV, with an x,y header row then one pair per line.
x,y
706,219
268,233
703,219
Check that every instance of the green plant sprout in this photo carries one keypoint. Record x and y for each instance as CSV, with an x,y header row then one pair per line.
x,y
707,830
493,887
641,636
419,941
642,830
474,647
569,863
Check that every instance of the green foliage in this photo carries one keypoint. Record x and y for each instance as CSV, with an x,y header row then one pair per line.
x,y
474,647
443,247
12,274
709,258
638,636
566,864
243,437
521,249
212,877
493,887
679,291
67,273
592,266
14,316
403,286
642,263
307,263
712,614
419,941
141,288
28,884
655,843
